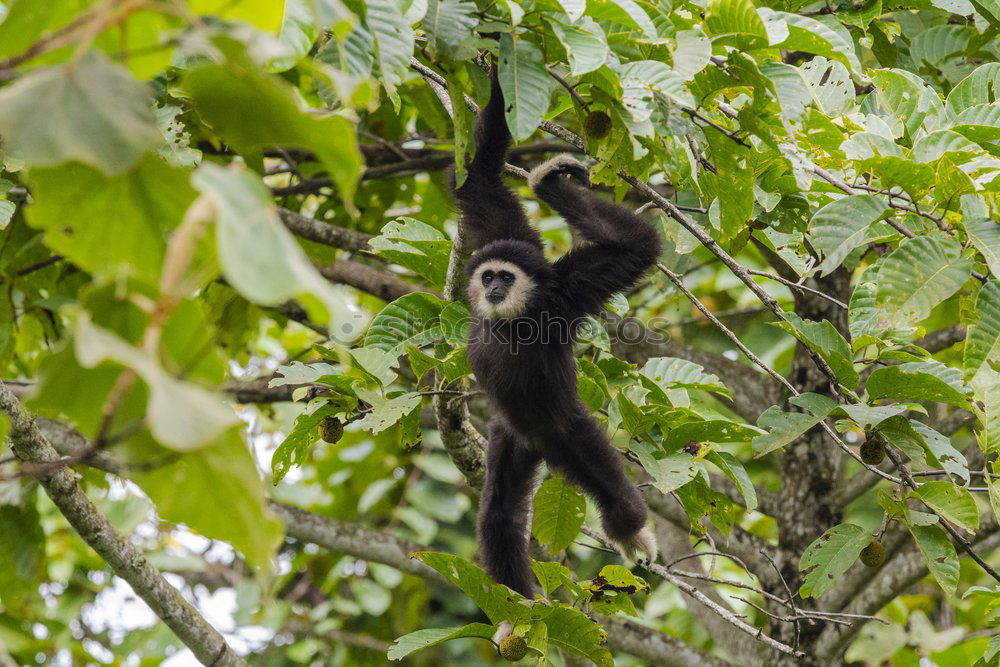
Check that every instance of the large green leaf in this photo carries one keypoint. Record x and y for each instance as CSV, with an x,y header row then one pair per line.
x,y
737,22
907,97
986,390
830,556
673,373
585,43
919,381
412,319
982,342
560,509
525,85
259,256
181,415
416,246
692,53
421,639
824,339
643,81
23,542
954,503
917,276
843,225
784,427
449,25
394,41
979,87
813,35
215,491
735,471
112,226
938,553
90,111
252,110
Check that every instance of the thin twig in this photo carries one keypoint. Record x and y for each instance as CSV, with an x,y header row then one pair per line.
x,y
798,286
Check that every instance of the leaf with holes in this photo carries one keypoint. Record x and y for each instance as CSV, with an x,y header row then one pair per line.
x,y
830,556
843,225
954,503
938,553
525,85
919,381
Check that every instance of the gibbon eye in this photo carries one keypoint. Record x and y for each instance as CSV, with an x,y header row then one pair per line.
x,y
487,277
506,276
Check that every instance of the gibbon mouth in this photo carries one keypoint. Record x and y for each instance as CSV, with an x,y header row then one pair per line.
x,y
496,297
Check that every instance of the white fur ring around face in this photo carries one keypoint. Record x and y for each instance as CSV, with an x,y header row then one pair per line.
x,y
640,547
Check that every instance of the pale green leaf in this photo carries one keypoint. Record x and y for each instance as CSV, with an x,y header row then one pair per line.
x,y
181,415
416,246
259,256
560,509
982,342
449,24
585,43
843,225
954,503
919,381
421,639
917,276
830,556
737,21
92,112
412,319
939,555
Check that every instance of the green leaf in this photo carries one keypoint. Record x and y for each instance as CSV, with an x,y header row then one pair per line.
x,y
954,503
843,225
672,373
906,97
552,575
585,43
114,227
498,602
862,314
692,52
216,491
421,639
989,10
737,22
643,80
412,319
986,390
917,276
560,509
871,415
259,256
814,35
979,87
939,555
935,145
294,449
181,415
23,543
394,40
416,246
985,236
980,123
449,24
829,556
90,111
628,12
734,470
386,412
525,85
919,381
252,110
823,338
784,427
982,343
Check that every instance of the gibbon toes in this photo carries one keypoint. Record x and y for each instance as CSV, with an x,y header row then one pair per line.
x,y
640,547
560,164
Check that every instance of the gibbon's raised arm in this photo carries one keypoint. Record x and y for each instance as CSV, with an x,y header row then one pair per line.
x,y
490,211
621,245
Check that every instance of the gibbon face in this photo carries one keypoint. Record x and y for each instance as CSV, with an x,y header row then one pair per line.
x,y
499,289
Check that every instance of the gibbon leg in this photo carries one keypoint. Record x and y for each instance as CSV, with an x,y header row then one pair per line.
x,y
587,458
503,509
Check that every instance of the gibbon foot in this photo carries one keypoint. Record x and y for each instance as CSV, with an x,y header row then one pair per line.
x,y
560,164
503,631
640,547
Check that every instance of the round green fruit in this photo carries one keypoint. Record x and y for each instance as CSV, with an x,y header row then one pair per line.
x,y
873,555
513,648
331,429
597,125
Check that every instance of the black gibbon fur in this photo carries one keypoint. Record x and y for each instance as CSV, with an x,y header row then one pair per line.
x,y
525,362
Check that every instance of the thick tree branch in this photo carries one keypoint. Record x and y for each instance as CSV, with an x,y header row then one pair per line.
x,y
125,559
383,284
323,232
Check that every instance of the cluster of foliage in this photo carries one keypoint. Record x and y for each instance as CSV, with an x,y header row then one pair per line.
x,y
195,193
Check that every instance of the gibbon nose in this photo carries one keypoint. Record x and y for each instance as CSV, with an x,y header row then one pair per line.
x,y
496,294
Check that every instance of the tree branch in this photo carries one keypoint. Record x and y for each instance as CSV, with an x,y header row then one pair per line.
x,y
323,232
125,559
